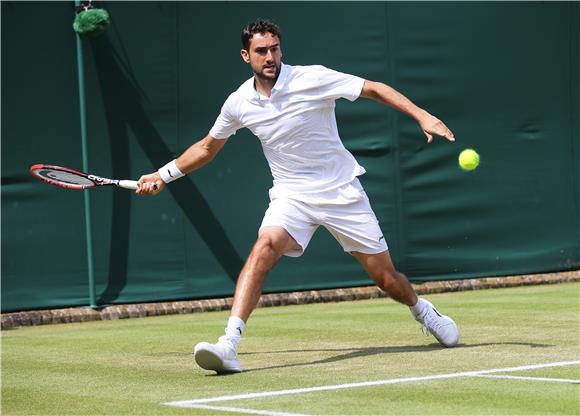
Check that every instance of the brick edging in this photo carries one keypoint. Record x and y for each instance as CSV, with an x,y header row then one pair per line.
x,y
85,314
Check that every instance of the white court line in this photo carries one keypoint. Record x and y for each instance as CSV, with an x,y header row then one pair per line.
x,y
240,410
556,380
192,403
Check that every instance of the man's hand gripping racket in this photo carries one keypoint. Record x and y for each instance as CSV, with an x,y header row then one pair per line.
x,y
150,184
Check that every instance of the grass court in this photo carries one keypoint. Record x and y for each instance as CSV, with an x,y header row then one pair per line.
x,y
519,354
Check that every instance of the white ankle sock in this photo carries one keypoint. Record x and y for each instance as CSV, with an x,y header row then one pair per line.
x,y
418,308
234,329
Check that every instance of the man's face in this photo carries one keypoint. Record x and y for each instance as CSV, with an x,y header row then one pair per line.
x,y
264,56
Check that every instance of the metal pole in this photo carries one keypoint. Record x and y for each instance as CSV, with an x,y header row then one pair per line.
x,y
86,194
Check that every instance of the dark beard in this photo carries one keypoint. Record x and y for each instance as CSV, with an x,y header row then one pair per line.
x,y
264,77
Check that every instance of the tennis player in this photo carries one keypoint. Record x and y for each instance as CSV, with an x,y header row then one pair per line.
x,y
291,110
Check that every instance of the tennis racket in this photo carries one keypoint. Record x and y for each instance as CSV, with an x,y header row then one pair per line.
x,y
73,179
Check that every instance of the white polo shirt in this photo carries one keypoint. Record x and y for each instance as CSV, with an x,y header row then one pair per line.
x,y
297,128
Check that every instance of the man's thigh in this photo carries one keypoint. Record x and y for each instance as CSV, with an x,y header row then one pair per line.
x,y
375,264
281,240
355,227
295,218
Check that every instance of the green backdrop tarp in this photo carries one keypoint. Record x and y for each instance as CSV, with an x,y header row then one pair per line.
x,y
503,76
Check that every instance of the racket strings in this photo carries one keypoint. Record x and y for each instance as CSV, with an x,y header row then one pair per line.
x,y
63,176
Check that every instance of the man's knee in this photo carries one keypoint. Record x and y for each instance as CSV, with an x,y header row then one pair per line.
x,y
390,279
266,251
274,240
265,247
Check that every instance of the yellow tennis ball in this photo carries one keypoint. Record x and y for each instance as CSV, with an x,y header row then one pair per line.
x,y
468,159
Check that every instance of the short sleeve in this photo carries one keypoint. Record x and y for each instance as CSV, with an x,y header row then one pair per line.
x,y
227,122
335,85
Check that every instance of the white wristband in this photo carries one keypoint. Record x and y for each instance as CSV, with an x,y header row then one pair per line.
x,y
170,172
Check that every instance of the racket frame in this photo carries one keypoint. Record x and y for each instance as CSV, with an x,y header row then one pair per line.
x,y
95,180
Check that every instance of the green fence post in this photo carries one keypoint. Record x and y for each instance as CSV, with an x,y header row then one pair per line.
x,y
86,194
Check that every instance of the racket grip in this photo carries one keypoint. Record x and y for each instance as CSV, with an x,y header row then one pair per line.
x,y
128,184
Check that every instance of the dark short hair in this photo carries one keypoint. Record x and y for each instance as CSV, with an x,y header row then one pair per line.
x,y
262,27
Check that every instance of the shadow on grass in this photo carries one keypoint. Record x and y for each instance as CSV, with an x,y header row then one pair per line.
x,y
351,353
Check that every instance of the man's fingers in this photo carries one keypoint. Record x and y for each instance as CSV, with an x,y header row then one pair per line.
x,y
449,136
433,126
147,188
445,132
440,130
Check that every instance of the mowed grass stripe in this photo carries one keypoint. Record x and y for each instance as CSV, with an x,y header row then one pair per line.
x,y
553,380
229,409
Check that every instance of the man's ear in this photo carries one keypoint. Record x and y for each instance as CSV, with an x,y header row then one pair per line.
x,y
245,56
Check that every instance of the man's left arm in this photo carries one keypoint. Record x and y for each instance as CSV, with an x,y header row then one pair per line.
x,y
384,94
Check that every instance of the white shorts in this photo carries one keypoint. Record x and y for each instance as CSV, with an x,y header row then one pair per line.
x,y
346,213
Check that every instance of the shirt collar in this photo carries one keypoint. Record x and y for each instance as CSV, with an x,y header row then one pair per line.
x,y
281,79
250,90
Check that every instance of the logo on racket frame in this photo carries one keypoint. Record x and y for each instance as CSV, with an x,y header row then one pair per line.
x,y
97,179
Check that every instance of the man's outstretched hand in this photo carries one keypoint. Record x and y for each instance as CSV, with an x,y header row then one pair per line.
x,y
433,126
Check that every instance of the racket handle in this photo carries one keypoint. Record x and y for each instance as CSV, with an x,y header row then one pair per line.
x,y
128,184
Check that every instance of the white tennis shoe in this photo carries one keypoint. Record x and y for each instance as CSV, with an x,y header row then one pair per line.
x,y
220,357
440,326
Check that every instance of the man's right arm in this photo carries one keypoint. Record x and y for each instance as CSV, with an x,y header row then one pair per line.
x,y
196,156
